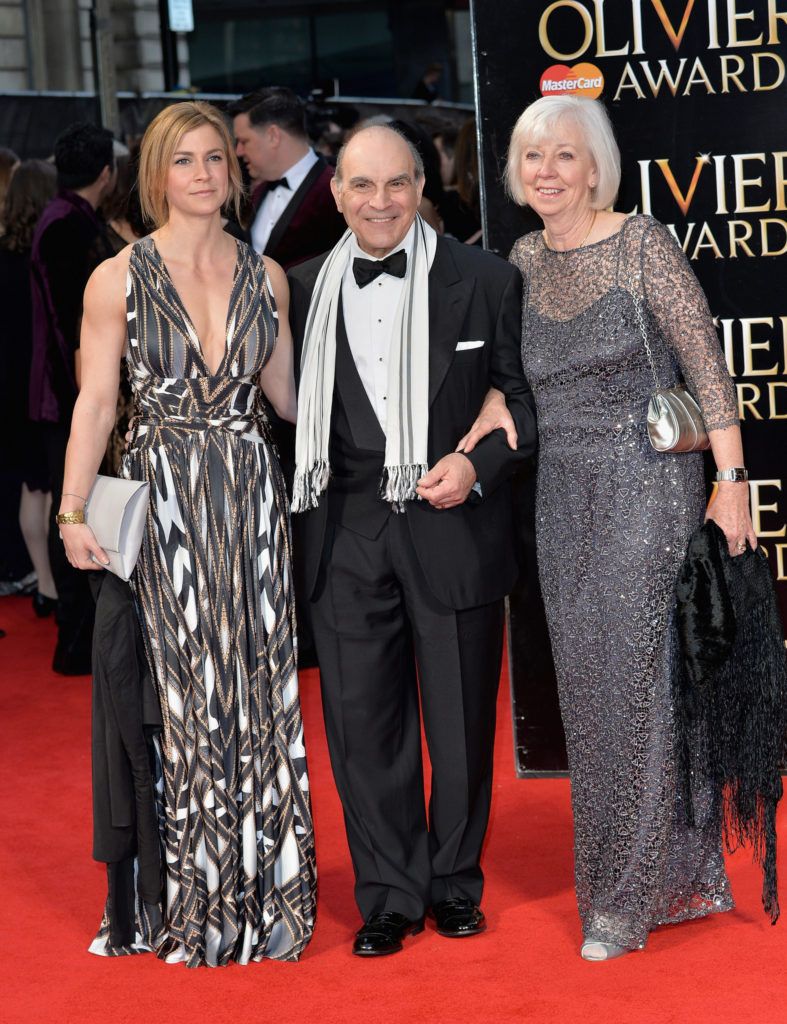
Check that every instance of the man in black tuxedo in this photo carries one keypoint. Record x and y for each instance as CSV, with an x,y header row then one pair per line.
x,y
402,601
295,217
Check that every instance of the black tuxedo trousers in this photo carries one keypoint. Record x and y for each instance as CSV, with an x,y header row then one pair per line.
x,y
380,632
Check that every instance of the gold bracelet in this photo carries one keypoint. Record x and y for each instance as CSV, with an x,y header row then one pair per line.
x,y
70,518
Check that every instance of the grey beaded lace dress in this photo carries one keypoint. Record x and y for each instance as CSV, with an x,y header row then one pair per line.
x,y
613,518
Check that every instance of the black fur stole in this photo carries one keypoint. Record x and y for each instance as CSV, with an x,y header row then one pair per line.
x,y
731,695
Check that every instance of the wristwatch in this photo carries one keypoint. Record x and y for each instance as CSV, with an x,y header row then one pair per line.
x,y
735,475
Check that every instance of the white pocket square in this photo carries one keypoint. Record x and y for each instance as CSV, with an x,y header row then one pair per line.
x,y
464,345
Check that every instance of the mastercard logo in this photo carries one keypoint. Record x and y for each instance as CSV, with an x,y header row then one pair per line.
x,y
581,80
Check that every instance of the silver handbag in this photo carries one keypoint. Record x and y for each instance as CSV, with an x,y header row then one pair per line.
x,y
675,421
116,511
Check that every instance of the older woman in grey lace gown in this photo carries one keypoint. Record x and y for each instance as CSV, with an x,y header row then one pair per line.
x,y
614,516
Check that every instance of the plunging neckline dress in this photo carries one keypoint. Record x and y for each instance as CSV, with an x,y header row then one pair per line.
x,y
214,592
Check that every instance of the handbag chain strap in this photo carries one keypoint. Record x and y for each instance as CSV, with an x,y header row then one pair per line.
x,y
638,313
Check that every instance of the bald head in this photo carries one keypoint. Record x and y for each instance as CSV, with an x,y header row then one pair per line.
x,y
365,140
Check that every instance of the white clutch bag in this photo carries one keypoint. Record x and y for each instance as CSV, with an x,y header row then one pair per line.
x,y
116,511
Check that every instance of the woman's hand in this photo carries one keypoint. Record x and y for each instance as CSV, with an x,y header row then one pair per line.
x,y
494,415
729,509
82,548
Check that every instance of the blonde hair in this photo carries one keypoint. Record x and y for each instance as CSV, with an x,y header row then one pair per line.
x,y
160,142
540,120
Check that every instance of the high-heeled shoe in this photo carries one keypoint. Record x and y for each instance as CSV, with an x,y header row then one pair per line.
x,y
601,951
43,606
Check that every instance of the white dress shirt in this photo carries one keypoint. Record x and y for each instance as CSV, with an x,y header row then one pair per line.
x,y
276,201
369,319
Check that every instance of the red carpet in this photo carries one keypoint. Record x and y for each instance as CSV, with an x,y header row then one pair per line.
x,y
526,968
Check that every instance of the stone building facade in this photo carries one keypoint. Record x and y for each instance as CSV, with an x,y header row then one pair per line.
x,y
48,45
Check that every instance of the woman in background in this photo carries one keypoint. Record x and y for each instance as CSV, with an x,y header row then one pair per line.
x,y
33,184
460,206
125,224
9,161
196,312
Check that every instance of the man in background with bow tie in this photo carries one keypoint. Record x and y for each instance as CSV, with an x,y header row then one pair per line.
x,y
405,547
295,217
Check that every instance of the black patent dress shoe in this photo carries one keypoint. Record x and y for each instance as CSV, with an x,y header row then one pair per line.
x,y
382,934
458,917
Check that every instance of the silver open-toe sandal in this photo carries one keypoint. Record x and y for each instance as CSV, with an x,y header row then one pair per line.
x,y
601,951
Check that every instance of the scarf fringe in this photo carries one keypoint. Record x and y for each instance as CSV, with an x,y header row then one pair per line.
x,y
398,484
309,485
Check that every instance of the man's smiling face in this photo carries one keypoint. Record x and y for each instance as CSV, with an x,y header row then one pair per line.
x,y
378,193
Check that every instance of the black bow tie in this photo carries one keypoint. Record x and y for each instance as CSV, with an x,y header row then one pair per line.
x,y
275,184
366,271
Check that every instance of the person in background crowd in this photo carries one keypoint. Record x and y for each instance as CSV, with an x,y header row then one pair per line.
x,y
125,224
461,209
426,89
432,196
328,125
329,141
213,584
16,573
32,186
121,208
69,242
295,216
614,516
406,595
444,139
8,162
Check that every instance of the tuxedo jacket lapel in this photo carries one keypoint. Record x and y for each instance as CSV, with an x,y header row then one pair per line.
x,y
291,208
449,298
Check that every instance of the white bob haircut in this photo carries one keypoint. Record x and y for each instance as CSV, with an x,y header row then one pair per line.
x,y
540,120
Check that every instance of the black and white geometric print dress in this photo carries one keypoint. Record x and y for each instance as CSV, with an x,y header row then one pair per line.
x,y
213,587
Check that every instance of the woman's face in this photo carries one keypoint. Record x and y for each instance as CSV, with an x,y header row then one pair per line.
x,y
198,176
558,173
447,164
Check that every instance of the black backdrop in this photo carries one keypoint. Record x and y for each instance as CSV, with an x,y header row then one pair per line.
x,y
697,93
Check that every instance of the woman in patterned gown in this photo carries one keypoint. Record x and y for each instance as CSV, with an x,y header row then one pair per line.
x,y
195,312
613,516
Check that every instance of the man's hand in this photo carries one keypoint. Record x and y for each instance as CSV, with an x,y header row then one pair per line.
x,y
494,415
449,482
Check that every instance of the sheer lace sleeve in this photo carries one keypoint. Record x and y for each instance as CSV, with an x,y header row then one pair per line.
x,y
678,304
521,256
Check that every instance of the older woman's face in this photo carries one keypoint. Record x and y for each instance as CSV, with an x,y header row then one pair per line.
x,y
558,173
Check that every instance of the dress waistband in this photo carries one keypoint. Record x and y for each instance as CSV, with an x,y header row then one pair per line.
x,y
199,404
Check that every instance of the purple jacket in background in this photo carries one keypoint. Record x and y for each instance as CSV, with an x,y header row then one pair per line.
x,y
69,242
